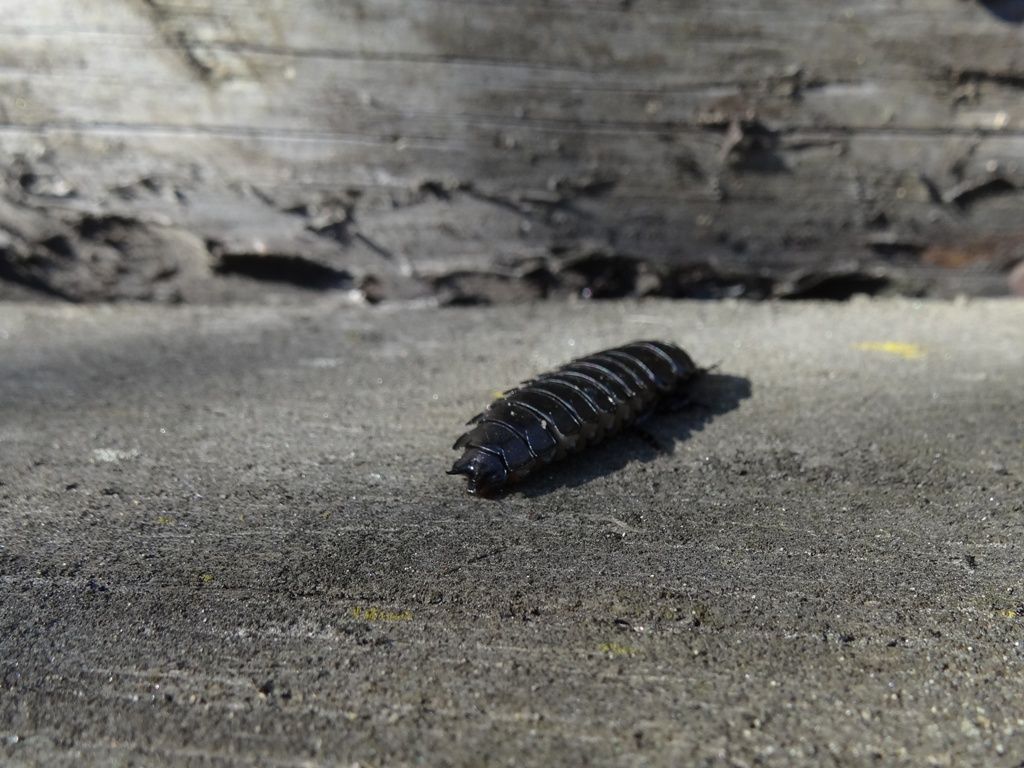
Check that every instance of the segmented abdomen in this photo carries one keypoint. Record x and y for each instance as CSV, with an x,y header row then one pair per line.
x,y
568,409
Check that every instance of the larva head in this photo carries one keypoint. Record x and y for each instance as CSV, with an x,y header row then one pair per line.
x,y
485,471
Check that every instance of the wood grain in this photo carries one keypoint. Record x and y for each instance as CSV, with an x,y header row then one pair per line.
x,y
760,137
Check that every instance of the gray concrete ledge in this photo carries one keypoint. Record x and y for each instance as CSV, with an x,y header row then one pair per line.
x,y
226,537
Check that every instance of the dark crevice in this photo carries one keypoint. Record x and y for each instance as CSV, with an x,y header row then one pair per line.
x,y
28,280
591,185
895,247
1009,79
603,276
283,268
60,246
966,194
748,144
437,189
702,281
837,287
105,228
471,288
339,231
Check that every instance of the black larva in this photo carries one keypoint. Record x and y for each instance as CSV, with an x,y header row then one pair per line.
x,y
568,409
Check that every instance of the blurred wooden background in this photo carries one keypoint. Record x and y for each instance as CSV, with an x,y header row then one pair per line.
x,y
498,149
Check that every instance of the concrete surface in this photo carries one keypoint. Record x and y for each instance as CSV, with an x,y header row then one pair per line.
x,y
227,538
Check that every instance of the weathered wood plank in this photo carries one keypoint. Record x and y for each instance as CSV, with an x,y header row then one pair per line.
x,y
464,134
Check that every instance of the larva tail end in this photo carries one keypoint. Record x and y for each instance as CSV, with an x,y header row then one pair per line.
x,y
484,472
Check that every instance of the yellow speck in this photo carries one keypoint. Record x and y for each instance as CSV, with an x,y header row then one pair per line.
x,y
206,578
163,520
898,348
497,394
616,649
1009,613
375,614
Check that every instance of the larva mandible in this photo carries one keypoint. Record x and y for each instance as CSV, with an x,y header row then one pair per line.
x,y
566,410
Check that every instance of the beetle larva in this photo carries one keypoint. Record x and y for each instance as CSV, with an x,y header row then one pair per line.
x,y
568,409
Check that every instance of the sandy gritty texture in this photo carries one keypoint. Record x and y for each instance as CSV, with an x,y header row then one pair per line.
x,y
226,537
